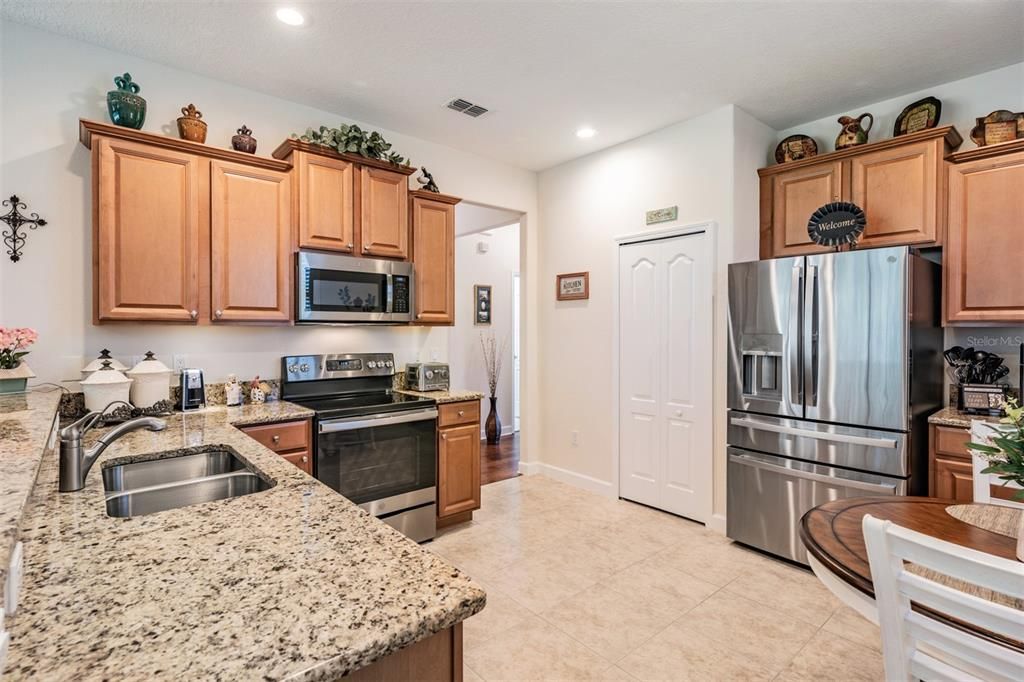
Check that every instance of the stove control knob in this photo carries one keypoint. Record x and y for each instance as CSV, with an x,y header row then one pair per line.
x,y
293,368
304,367
389,364
371,364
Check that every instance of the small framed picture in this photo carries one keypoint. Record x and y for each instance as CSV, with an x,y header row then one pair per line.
x,y
482,304
572,286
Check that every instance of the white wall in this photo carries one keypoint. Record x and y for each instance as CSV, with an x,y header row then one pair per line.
x,y
496,268
48,83
585,204
962,101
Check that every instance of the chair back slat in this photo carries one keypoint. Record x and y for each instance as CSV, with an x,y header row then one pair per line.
x,y
980,658
994,617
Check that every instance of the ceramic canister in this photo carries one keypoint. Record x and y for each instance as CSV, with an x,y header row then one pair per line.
x,y
98,363
105,386
150,382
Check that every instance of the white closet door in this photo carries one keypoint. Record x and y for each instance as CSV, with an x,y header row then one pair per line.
x,y
665,366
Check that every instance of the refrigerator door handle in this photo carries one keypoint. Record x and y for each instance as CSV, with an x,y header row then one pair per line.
x,y
746,460
812,359
888,443
795,339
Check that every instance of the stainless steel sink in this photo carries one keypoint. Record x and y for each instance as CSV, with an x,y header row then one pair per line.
x,y
140,488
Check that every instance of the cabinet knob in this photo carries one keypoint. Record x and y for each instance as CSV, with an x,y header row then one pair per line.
x,y
462,413
679,413
276,438
194,314
350,245
444,436
305,459
219,313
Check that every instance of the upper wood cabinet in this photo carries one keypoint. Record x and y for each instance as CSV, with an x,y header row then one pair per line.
x,y
250,244
147,218
326,191
384,213
899,182
182,231
433,256
984,251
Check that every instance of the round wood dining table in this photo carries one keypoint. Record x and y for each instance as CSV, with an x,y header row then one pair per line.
x,y
835,543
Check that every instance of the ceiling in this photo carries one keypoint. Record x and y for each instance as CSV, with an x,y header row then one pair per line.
x,y
546,68
470,218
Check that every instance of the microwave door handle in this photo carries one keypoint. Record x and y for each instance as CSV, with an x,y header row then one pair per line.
x,y
389,306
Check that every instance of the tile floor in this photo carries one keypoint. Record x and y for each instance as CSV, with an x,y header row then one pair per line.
x,y
581,587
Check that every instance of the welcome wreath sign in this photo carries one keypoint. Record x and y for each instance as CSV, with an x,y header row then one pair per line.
x,y
837,223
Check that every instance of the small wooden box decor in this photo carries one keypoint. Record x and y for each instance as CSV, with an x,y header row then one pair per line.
x,y
482,304
999,126
572,286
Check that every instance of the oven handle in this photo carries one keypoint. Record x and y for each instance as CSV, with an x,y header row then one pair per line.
x,y
839,481
353,423
818,435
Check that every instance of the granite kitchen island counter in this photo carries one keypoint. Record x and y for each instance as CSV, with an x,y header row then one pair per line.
x,y
294,582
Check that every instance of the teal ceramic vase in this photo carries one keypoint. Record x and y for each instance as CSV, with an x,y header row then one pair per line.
x,y
124,104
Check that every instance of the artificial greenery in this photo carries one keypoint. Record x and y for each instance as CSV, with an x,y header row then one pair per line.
x,y
351,139
1006,454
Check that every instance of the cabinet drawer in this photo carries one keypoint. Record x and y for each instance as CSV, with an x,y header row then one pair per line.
x,y
301,460
283,436
952,441
453,414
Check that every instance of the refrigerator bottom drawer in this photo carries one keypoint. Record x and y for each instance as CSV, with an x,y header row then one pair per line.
x,y
767,495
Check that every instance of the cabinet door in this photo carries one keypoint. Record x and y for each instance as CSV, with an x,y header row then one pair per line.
x,y
326,202
300,459
795,196
433,255
250,233
384,213
898,188
458,470
954,479
985,241
147,217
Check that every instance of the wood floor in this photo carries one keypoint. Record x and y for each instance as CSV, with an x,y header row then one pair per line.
x,y
501,461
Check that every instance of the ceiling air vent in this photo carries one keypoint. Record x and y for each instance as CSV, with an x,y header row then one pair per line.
x,y
467,108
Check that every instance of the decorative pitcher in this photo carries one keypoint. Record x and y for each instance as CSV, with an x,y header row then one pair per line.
x,y
125,106
853,133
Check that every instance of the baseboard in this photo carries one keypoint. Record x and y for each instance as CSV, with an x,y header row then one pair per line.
x,y
594,485
529,468
717,523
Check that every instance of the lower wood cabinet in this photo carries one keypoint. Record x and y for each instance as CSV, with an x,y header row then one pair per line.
x,y
950,467
433,256
458,459
292,440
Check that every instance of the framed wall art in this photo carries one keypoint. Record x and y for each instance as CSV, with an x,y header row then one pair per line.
x,y
482,304
572,286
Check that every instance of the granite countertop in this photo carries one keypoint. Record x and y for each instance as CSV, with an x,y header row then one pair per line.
x,y
450,396
26,421
950,416
295,582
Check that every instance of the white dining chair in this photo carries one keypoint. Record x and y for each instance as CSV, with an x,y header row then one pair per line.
x,y
916,646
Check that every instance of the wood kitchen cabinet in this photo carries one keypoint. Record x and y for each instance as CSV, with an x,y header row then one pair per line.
x,y
292,440
250,244
899,182
950,468
326,202
984,251
185,232
433,256
458,461
384,213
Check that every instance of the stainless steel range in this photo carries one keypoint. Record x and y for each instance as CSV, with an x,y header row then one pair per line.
x,y
376,447
834,366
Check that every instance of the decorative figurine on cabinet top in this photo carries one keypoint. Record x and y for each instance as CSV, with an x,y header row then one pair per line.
x,y
1001,125
124,105
190,124
244,141
853,132
427,180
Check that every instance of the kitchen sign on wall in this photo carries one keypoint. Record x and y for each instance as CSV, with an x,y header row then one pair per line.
x,y
837,223
572,286
662,215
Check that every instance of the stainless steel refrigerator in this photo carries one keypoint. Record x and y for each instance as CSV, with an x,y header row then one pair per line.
x,y
834,366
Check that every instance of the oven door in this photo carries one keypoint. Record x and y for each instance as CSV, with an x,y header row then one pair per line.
x,y
383,463
333,288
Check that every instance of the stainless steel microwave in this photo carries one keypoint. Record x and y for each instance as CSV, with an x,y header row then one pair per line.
x,y
335,288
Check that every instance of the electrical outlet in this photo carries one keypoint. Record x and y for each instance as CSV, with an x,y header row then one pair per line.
x,y
180,363
575,439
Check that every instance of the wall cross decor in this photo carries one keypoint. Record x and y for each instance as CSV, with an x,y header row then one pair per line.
x,y
15,239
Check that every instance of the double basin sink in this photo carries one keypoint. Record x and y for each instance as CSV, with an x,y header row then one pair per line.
x,y
155,485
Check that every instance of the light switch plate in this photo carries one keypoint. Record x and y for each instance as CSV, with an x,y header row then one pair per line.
x,y
180,363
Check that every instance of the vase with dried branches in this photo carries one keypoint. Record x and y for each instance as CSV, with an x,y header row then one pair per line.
x,y
494,354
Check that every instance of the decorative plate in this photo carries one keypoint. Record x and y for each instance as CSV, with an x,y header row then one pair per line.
x,y
796,147
837,223
921,115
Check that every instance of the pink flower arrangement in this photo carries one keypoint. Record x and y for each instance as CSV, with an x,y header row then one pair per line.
x,y
13,342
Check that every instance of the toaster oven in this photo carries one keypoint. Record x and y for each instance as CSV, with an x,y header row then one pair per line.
x,y
427,376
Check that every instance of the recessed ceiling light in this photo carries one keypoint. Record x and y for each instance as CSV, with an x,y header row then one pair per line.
x,y
585,132
291,16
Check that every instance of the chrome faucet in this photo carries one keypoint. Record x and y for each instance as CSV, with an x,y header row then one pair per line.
x,y
75,461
